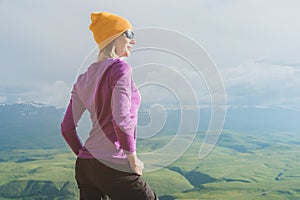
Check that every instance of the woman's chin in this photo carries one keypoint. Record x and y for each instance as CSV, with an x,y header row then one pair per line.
x,y
127,54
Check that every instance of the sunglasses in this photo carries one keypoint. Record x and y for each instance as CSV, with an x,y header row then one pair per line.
x,y
129,34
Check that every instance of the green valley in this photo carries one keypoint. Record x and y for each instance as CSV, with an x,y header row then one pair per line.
x,y
241,166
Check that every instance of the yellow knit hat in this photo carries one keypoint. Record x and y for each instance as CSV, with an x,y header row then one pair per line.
x,y
107,26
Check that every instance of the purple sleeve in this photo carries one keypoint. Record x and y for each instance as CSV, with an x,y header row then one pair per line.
x,y
124,124
68,130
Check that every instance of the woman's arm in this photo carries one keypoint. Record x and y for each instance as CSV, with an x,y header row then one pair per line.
x,y
68,128
124,124
123,121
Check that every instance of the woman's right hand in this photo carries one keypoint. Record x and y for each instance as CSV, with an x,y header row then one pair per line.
x,y
136,164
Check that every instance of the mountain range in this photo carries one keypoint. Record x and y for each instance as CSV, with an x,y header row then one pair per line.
x,y
36,126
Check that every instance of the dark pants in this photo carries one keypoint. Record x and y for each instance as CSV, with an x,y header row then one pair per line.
x,y
97,181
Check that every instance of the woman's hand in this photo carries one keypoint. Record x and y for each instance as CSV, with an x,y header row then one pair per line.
x,y
136,164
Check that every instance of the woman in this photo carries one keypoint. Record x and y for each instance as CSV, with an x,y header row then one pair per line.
x,y
107,163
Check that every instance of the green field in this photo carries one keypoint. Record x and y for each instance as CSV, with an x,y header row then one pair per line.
x,y
241,166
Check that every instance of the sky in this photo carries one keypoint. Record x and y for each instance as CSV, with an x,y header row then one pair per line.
x,y
252,45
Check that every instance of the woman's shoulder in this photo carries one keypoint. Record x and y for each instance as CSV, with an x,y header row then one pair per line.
x,y
120,66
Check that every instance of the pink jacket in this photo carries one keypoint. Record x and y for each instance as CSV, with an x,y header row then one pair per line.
x,y
108,92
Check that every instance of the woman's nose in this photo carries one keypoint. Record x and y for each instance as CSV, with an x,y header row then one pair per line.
x,y
133,41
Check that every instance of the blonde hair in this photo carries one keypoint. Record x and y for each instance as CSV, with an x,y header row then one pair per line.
x,y
109,51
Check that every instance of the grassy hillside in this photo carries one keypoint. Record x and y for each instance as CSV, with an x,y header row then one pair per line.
x,y
37,174
240,167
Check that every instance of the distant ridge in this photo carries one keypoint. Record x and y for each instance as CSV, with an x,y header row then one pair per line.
x,y
30,126
34,125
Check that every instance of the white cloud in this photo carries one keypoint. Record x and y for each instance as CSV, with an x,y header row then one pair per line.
x,y
3,99
173,84
262,83
262,76
40,39
57,93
